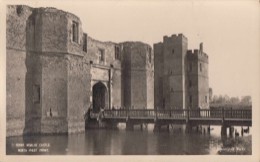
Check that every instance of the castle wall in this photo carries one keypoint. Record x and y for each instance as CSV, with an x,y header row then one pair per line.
x,y
50,73
158,75
56,75
117,88
54,93
15,91
179,81
108,70
16,68
78,99
197,82
173,50
192,81
150,88
138,76
203,80
126,76
54,32
137,73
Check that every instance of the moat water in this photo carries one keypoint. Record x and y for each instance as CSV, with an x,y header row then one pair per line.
x,y
137,142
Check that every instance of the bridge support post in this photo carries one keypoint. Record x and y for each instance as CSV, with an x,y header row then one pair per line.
x,y
188,128
157,127
209,129
129,126
231,131
168,127
223,130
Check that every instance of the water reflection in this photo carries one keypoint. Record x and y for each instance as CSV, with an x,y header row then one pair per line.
x,y
121,142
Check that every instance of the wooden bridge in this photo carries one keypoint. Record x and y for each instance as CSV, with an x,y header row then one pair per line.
x,y
193,117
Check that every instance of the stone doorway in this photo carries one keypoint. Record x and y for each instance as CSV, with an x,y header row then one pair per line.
x,y
100,97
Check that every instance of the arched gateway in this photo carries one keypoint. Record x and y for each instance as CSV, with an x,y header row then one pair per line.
x,y
100,96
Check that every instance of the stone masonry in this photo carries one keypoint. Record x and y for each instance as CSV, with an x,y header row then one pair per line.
x,y
56,71
180,75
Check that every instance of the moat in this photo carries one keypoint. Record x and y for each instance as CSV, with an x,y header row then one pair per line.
x,y
137,142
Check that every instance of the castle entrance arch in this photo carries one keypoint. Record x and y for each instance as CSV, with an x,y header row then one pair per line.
x,y
100,96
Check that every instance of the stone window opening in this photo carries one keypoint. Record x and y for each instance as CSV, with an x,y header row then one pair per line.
x,y
50,113
19,10
200,67
75,32
190,99
36,93
173,51
171,90
117,53
101,55
85,42
206,99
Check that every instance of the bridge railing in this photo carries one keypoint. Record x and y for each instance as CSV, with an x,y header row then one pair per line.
x,y
238,113
176,113
172,113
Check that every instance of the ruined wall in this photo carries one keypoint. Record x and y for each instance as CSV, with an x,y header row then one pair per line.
x,y
117,88
158,75
78,101
54,32
126,76
100,70
137,74
138,77
54,93
50,76
47,69
16,17
15,92
150,88
109,52
48,90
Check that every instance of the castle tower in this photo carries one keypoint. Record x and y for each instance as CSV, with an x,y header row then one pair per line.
x,y
197,79
169,72
137,75
50,45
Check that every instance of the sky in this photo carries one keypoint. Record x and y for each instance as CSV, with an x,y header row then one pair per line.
x,y
229,31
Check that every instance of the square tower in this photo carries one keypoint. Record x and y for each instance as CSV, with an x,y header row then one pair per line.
x,y
169,72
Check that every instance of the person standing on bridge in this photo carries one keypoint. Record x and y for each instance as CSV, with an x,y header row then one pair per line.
x,y
102,111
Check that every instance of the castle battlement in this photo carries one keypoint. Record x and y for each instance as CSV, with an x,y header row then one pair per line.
x,y
174,37
198,54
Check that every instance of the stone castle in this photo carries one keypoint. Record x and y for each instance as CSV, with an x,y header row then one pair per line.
x,y
180,75
55,72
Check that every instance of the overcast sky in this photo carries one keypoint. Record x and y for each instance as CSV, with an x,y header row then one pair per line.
x,y
229,31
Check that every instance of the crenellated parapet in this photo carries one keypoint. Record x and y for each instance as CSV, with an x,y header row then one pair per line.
x,y
197,54
176,38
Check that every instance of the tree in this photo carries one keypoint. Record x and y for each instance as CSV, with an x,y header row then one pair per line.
x,y
234,101
246,100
